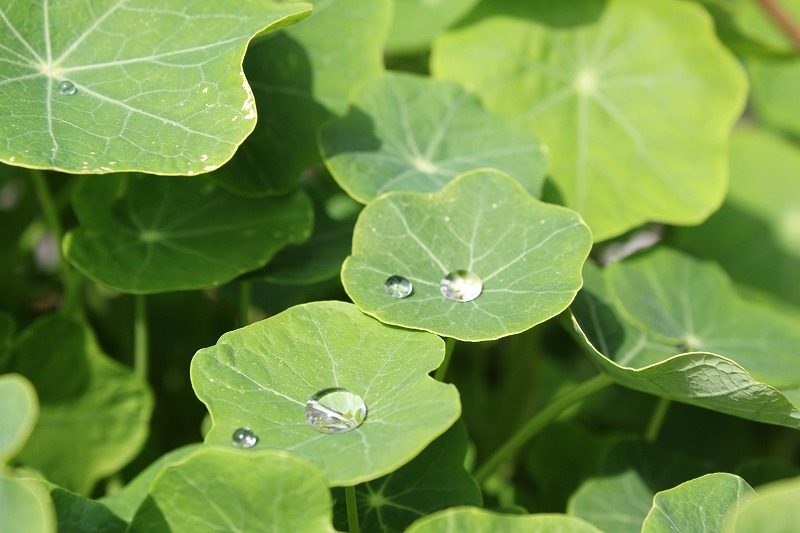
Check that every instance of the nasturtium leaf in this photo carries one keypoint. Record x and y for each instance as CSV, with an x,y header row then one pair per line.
x,y
774,87
702,502
773,510
410,133
632,139
129,86
434,480
754,20
527,254
416,22
145,234
641,317
20,408
77,514
219,489
755,235
25,505
301,78
262,375
86,399
475,520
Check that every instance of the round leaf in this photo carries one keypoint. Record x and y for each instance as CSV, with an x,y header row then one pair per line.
x,y
774,510
145,234
216,489
474,520
632,138
528,255
417,22
20,408
129,86
261,377
409,133
25,505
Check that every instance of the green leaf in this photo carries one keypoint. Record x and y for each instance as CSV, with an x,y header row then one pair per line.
x,y
417,22
145,234
302,78
261,377
25,505
527,254
76,514
774,510
20,408
129,86
633,139
473,520
434,480
216,489
754,20
86,399
411,133
755,236
774,84
644,313
699,503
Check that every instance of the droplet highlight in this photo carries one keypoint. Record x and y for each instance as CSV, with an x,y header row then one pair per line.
x,y
335,410
67,88
397,287
244,438
461,286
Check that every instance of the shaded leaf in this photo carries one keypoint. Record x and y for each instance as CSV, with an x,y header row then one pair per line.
x,y
218,489
474,520
527,254
25,505
145,234
416,22
20,408
124,86
411,133
76,514
631,141
261,377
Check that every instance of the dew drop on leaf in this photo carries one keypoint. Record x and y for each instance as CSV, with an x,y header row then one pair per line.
x,y
461,286
397,287
67,88
335,410
683,347
244,438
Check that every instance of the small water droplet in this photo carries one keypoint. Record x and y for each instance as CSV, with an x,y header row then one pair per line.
x,y
683,347
397,287
335,410
244,438
67,88
461,286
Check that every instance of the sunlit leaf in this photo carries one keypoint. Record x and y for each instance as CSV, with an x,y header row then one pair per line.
x,y
417,22
773,510
20,408
25,505
754,20
474,520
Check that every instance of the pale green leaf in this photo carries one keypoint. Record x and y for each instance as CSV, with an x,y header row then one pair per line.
x,y
774,510
411,133
262,375
527,254
632,139
774,90
95,87
754,20
474,520
25,505
20,408
216,489
145,234
417,22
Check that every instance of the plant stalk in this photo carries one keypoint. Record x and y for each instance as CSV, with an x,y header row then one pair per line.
x,y
777,13
449,346
244,303
657,420
352,509
539,422
140,337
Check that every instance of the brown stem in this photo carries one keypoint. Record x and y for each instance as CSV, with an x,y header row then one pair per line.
x,y
779,15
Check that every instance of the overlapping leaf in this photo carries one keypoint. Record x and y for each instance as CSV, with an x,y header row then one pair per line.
x,y
417,22
773,510
97,87
20,408
409,133
25,504
528,255
774,87
261,377
474,520
755,20
633,139
145,234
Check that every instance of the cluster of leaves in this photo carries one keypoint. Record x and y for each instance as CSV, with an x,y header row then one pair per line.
x,y
268,165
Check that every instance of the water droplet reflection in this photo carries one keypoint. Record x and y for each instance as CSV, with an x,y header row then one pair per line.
x,y
335,410
397,287
67,88
461,286
244,438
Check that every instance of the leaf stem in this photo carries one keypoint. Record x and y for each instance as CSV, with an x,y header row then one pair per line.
x,y
782,18
449,346
657,420
244,303
539,422
140,337
352,509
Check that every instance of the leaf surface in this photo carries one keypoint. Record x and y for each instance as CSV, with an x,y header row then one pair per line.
x,y
20,408
417,22
261,377
25,503
474,520
773,510
527,254
96,87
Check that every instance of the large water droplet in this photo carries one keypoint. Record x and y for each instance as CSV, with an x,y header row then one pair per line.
x,y
335,410
67,88
244,438
397,287
461,286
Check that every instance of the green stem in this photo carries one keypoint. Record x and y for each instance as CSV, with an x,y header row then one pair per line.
x,y
352,509
140,337
539,422
657,420
449,346
244,303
